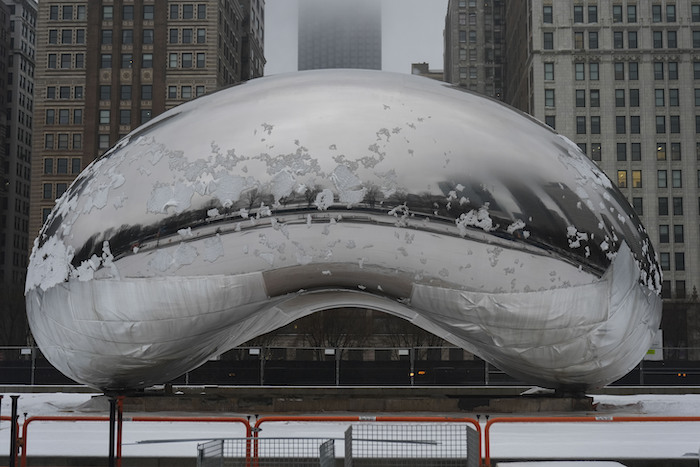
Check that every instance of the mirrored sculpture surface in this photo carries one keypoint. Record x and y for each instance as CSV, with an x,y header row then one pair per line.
x,y
236,213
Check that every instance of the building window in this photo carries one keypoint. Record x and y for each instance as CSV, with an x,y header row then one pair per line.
x,y
48,166
128,12
633,68
548,41
187,36
48,141
186,92
146,92
550,121
107,13
592,40
665,260
580,98
187,60
172,60
592,14
670,13
677,179
549,97
678,236
125,117
617,13
50,116
201,36
661,179
472,37
187,11
632,40
66,36
661,151
53,36
106,61
53,12
148,12
103,141
634,97
663,206
65,61
578,13
596,151
620,125
105,92
580,125
656,13
658,70
679,259
695,12
48,191
147,61
67,12
593,73
622,178
636,151
659,98
200,91
75,165
51,61
638,206
621,151
636,179
104,117
64,116
127,36
202,11
106,37
677,206
125,92
62,141
173,36
672,71
664,234
172,92
578,40
673,99
580,71
201,61
145,115
672,39
619,97
675,151
619,68
549,71
658,39
660,124
80,60
680,289
675,123
127,60
618,40
77,141
174,11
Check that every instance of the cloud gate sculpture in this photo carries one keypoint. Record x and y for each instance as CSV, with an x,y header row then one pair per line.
x,y
241,211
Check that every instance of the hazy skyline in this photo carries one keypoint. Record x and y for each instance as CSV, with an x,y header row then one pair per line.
x,y
412,32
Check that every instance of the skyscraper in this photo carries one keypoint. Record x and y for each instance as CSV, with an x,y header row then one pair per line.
x,y
105,67
340,34
474,43
17,54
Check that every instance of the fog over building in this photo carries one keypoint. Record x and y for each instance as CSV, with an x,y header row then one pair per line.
x,y
340,34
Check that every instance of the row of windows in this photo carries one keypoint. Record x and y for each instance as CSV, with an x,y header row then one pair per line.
x,y
63,116
187,11
665,234
68,36
175,60
67,12
187,36
62,140
593,124
661,179
125,92
61,165
64,92
127,60
185,92
661,70
658,13
634,152
49,193
593,40
105,116
66,61
107,36
666,289
128,13
665,261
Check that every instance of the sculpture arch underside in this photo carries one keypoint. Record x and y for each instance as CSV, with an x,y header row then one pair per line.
x,y
242,211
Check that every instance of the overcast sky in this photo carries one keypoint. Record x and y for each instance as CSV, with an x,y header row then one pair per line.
x,y
411,33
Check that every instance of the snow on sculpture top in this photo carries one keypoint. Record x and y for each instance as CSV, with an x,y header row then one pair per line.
x,y
285,195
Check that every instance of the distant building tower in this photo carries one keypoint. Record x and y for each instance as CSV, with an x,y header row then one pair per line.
x,y
474,36
106,67
17,54
423,69
340,34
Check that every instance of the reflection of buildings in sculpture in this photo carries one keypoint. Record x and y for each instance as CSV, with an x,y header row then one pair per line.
x,y
340,34
621,81
16,100
114,67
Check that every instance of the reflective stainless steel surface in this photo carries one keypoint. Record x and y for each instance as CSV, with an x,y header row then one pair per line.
x,y
239,212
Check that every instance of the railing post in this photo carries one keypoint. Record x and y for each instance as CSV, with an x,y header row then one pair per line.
x,y
112,422
337,366
262,366
13,432
486,373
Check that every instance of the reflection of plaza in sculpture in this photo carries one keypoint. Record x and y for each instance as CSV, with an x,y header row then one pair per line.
x,y
239,212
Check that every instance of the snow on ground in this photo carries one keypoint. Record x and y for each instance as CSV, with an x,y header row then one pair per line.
x,y
598,440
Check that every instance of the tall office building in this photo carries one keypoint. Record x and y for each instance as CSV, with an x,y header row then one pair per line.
x,y
17,52
622,80
474,41
105,67
340,34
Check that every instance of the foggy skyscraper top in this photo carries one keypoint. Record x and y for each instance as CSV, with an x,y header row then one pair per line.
x,y
340,34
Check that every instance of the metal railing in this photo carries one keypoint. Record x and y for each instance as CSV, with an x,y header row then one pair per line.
x,y
370,366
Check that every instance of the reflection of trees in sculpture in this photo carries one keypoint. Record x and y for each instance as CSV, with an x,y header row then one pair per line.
x,y
402,334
